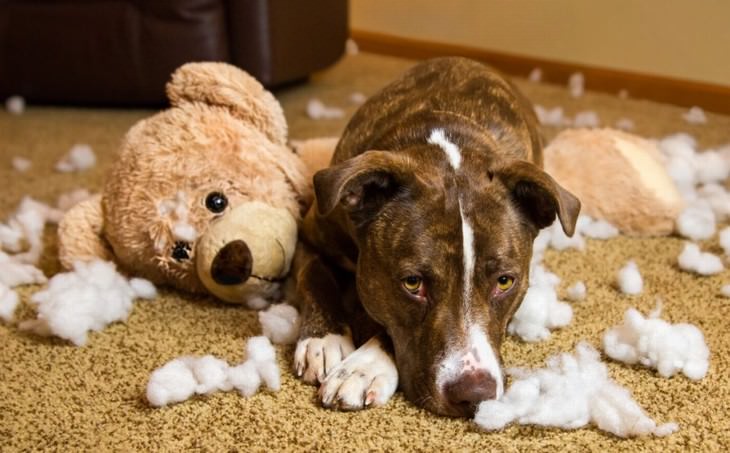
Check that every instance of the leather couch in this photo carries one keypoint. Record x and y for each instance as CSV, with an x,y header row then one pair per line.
x,y
123,51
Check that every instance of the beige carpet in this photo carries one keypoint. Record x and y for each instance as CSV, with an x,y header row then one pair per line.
x,y
54,396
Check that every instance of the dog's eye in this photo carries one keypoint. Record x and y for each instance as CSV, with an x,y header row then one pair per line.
x,y
414,285
180,252
216,202
505,282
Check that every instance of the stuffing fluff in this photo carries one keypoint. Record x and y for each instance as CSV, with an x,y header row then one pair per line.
x,y
70,199
572,391
696,222
577,292
654,343
280,323
588,118
21,164
540,310
22,234
90,297
551,117
725,240
358,98
596,229
695,115
535,75
625,124
80,157
15,105
576,84
351,47
725,291
14,273
693,260
317,110
183,377
8,302
629,279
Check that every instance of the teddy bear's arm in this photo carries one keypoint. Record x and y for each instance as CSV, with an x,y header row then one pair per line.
x,y
79,234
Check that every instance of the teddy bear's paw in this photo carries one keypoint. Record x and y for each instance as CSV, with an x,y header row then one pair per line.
x,y
314,358
368,377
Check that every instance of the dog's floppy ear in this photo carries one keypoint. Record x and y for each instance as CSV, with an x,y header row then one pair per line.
x,y
539,195
361,184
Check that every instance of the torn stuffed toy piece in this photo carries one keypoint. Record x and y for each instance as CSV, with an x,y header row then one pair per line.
x,y
574,390
90,297
655,343
183,377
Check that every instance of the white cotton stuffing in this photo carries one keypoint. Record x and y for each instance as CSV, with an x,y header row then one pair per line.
x,y
540,310
587,118
14,273
717,198
22,234
725,240
21,164
576,84
551,117
185,376
572,391
80,157
577,292
317,110
697,222
625,124
535,75
629,279
695,115
144,289
89,297
358,98
693,260
351,47
15,105
257,302
8,302
280,323
183,231
725,290
711,166
595,229
655,343
561,241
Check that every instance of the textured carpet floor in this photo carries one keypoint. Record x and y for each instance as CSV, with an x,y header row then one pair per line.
x,y
54,396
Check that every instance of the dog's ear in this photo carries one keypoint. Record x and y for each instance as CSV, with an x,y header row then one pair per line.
x,y
361,184
539,195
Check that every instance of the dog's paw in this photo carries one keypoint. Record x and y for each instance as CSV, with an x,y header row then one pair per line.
x,y
314,358
367,377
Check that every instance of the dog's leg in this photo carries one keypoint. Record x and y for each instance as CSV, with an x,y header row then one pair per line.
x,y
324,339
367,377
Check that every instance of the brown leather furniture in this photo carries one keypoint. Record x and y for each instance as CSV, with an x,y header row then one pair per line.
x,y
123,51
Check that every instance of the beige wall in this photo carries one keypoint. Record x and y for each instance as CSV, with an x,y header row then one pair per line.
x,y
686,39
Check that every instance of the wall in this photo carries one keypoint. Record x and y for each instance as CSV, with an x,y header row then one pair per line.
x,y
683,39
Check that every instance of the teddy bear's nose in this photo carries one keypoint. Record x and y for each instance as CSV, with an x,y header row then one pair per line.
x,y
232,265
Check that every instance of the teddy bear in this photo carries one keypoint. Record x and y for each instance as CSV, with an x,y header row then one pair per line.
x,y
205,196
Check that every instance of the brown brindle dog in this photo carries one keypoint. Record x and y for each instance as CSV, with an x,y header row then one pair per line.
x,y
422,234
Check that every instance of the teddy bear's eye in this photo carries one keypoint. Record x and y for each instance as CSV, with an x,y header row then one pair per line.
x,y
216,202
180,251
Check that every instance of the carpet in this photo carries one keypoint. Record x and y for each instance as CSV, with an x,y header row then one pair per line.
x,y
54,396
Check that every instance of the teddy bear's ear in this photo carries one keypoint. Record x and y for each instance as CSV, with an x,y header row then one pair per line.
x,y
296,173
227,86
79,234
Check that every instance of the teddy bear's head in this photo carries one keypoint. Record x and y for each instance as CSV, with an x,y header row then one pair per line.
x,y
205,196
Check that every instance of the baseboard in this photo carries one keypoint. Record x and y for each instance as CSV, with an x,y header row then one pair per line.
x,y
686,93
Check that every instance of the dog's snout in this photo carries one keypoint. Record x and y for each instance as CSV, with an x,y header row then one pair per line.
x,y
470,388
232,264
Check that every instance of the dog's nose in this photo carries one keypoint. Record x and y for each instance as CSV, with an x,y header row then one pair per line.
x,y
471,388
233,263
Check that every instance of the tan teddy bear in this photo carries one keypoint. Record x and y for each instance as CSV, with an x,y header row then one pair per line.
x,y
205,196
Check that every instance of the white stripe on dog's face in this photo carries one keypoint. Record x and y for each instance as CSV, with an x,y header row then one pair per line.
x,y
486,356
469,255
438,137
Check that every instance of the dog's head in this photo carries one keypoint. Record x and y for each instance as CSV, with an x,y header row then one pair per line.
x,y
445,240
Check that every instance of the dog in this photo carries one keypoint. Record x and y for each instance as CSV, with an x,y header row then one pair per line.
x,y
420,241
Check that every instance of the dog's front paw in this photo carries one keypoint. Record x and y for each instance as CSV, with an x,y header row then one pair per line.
x,y
367,377
314,358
